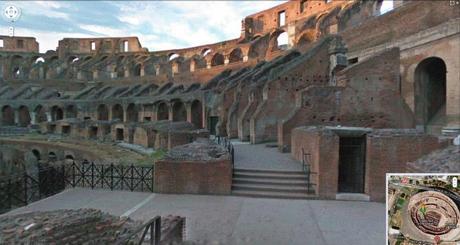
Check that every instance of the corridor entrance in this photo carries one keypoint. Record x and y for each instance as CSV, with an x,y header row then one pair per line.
x,y
352,156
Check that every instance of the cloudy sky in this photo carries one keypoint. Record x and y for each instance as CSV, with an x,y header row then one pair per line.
x,y
159,25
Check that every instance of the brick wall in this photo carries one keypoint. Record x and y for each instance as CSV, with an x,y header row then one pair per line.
x,y
193,177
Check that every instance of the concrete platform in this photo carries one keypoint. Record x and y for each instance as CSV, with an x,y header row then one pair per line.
x,y
239,220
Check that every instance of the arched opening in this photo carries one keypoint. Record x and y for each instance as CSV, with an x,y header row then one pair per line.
x,y
236,56
7,116
40,114
173,56
71,111
162,111
132,113
52,157
430,91
197,114
205,52
24,116
217,59
36,154
56,113
306,38
39,60
117,112
102,113
282,41
383,6
179,111
137,70
69,158
197,62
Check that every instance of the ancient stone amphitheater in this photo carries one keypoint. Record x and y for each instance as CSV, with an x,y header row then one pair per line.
x,y
351,92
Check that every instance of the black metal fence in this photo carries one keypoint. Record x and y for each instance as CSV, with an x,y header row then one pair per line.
x,y
20,190
225,142
306,167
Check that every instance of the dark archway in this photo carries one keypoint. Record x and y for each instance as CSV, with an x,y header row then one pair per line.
x,y
236,56
57,113
162,111
7,116
40,114
137,70
71,111
430,91
197,114
179,111
117,112
102,113
24,116
36,154
132,113
217,59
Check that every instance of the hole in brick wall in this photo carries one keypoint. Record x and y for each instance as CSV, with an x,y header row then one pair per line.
x,y
314,117
372,98
323,120
331,119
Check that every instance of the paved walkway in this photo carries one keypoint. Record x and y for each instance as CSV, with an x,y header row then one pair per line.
x,y
262,157
239,220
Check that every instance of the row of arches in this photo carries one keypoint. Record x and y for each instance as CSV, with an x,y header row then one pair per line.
x,y
24,116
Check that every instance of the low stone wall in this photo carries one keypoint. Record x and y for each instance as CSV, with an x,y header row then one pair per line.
x,y
201,167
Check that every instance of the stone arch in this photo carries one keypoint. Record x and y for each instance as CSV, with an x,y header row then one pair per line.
x,y
197,113
306,38
24,116
280,40
205,52
102,112
382,7
39,59
7,115
235,56
71,111
16,68
162,111
197,62
57,113
117,112
132,113
37,154
173,56
137,70
217,59
40,114
179,111
52,156
430,88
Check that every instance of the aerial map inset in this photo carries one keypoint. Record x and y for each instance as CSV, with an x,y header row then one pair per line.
x,y
423,209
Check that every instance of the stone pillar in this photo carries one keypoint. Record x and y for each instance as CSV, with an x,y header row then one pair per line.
x,y
126,72
16,117
33,119
48,116
188,107
226,60
208,64
245,58
170,112
155,113
337,59
125,114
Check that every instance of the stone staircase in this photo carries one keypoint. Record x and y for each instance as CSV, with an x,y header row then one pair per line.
x,y
271,184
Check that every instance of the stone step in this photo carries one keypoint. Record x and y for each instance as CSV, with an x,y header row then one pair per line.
x,y
271,194
269,175
269,181
272,188
269,171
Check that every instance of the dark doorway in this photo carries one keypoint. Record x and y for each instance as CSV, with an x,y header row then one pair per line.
x,y
352,155
66,130
212,125
93,133
120,134
430,91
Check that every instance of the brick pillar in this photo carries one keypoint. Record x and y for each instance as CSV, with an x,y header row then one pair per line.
x,y
170,112
188,107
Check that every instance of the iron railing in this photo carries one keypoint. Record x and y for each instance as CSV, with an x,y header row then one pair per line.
x,y
153,225
21,189
225,142
110,176
306,168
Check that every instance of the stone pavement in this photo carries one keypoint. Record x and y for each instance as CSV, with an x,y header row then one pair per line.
x,y
239,220
261,157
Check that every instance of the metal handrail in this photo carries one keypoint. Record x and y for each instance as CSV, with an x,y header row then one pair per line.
x,y
154,225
